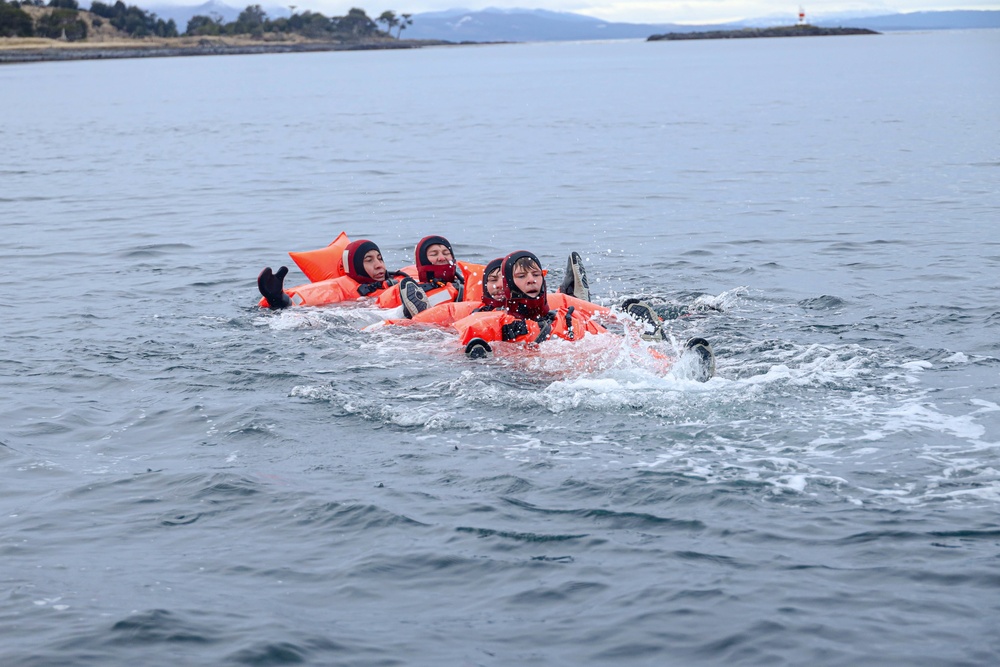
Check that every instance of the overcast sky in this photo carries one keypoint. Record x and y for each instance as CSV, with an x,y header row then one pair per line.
x,y
628,11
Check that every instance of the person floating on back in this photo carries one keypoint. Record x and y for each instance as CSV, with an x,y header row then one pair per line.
x,y
440,278
364,275
528,316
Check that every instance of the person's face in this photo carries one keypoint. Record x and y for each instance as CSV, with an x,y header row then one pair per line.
x,y
494,284
439,254
528,279
374,266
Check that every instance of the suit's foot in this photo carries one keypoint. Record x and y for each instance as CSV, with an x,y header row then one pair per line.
x,y
575,281
705,367
413,297
271,286
478,349
644,314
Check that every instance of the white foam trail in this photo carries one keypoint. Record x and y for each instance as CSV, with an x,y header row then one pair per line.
x,y
798,421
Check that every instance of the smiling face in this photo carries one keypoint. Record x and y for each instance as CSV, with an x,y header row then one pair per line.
x,y
439,254
528,277
374,266
494,284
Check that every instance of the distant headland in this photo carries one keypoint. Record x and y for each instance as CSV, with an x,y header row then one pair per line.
x,y
32,31
801,30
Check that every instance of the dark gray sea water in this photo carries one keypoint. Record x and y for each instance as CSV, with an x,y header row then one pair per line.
x,y
187,480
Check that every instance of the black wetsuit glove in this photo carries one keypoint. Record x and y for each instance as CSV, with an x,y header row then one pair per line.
x,y
513,330
271,287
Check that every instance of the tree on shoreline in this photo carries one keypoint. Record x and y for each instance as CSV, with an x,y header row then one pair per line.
x,y
204,25
60,19
14,21
312,25
251,21
404,20
357,23
388,17
62,23
133,21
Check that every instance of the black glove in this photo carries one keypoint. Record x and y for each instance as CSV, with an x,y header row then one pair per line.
x,y
271,287
513,330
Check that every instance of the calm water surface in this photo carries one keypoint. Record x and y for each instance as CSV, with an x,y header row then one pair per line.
x,y
189,480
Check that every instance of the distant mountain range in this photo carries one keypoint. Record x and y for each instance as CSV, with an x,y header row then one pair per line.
x,y
950,20
539,25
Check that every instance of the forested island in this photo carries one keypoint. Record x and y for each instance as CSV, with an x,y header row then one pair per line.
x,y
801,30
31,30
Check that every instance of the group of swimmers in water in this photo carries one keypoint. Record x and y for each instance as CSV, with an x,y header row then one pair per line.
x,y
504,301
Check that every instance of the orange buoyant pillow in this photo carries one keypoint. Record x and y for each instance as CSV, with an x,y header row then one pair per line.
x,y
324,263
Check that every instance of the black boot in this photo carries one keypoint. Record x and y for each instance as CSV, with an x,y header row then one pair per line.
x,y
413,297
706,358
645,315
271,286
478,349
575,281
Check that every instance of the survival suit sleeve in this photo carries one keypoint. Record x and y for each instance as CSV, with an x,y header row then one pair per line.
x,y
333,290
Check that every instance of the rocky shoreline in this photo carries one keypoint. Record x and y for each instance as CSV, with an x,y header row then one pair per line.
x,y
10,53
782,31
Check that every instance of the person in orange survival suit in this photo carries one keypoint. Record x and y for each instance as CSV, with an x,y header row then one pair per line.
x,y
493,295
440,278
445,314
493,298
526,316
365,276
